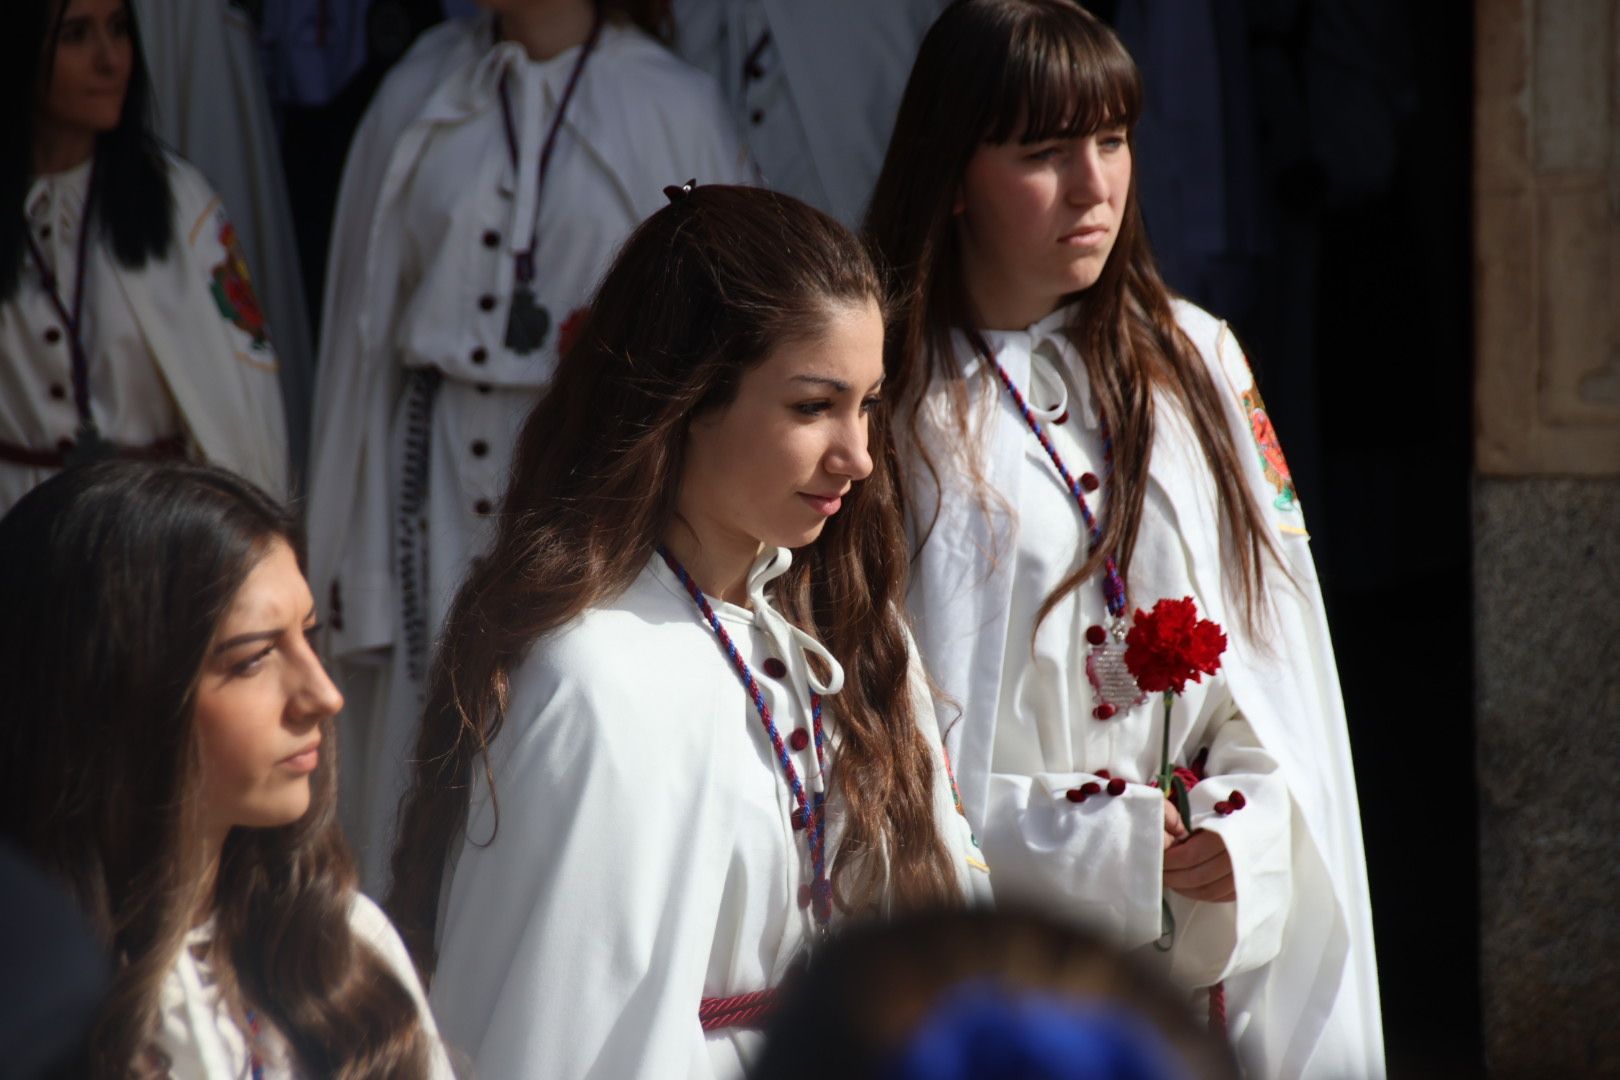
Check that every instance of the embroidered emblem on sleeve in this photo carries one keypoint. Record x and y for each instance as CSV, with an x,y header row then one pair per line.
x,y
570,329
1271,455
233,290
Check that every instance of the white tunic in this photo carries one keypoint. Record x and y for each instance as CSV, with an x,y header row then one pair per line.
x,y
430,217
200,1036
175,348
129,401
645,857
1102,860
1295,949
813,86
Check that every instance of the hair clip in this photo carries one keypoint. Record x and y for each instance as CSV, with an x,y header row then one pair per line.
x,y
676,192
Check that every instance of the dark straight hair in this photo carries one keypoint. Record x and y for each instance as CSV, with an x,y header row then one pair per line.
x,y
132,201
998,71
116,578
702,291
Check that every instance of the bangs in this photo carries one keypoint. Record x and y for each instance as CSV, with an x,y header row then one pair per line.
x,y
1066,75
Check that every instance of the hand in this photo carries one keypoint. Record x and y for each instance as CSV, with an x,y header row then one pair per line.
x,y
1199,867
1174,830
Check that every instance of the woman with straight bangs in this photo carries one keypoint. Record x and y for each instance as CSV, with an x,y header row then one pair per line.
x,y
1079,445
676,730
128,325
166,755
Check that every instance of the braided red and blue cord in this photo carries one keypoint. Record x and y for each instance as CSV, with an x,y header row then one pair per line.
x,y
1113,587
811,809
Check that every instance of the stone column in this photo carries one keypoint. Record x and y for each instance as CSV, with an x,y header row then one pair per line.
x,y
1547,532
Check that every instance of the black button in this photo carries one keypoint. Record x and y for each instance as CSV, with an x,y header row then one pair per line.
x,y
757,117
52,336
486,303
483,387
491,238
480,354
482,507
479,448
58,391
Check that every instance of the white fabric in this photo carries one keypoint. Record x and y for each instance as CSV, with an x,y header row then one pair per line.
x,y
1103,861
645,857
428,176
819,101
164,359
201,1036
128,399
211,105
1302,998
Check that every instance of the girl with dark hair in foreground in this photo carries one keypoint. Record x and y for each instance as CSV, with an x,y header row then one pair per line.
x,y
1079,445
166,755
128,326
676,728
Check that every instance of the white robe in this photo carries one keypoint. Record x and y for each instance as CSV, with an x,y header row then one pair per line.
x,y
430,215
202,1038
1302,997
645,857
817,101
176,347
211,105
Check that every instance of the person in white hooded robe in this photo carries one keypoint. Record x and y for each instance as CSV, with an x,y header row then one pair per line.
x,y
677,731
128,321
1081,445
498,169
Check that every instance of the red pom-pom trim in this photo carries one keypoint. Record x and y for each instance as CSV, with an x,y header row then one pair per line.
x,y
1223,808
1074,794
1237,800
1103,711
1105,774
1091,787
1116,786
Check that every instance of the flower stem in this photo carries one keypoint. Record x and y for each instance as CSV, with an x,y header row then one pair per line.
x,y
1166,774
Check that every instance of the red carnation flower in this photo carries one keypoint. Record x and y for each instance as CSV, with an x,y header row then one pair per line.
x,y
1170,645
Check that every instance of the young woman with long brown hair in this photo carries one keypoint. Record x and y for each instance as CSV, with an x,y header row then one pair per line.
x,y
166,756
676,728
1078,445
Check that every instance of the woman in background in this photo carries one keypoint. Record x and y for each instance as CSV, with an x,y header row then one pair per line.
x,y
1080,445
128,325
166,756
497,172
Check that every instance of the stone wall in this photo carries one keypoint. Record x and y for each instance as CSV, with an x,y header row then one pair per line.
x,y
1547,532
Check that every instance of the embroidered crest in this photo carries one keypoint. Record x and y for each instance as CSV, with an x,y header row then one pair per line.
x,y
1271,455
570,329
232,290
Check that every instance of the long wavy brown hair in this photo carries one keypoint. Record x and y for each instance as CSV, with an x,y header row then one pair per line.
x,y
116,579
701,292
997,71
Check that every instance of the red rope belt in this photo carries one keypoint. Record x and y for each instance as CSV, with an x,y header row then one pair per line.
x,y
171,448
752,1011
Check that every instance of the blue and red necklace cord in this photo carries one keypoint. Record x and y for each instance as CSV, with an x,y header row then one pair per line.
x,y
810,812
1113,586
